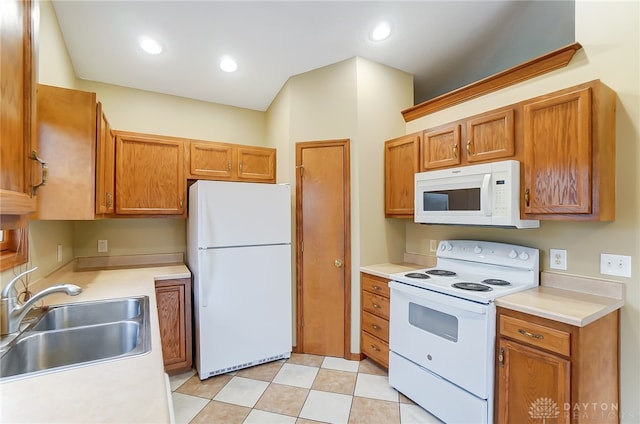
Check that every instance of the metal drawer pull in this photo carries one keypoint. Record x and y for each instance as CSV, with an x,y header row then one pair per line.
x,y
375,305
43,164
532,335
375,287
375,327
375,348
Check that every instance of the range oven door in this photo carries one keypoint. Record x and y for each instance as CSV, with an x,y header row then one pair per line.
x,y
451,337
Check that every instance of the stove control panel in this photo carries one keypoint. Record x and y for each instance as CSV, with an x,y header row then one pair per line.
x,y
490,253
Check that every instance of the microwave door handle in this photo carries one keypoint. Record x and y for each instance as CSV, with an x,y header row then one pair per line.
x,y
485,200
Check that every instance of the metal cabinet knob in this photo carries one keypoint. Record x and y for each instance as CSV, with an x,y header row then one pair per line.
x,y
337,263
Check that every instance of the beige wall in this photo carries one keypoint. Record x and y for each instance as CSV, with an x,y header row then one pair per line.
x,y
608,32
357,100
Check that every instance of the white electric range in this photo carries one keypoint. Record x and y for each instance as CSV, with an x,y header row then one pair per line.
x,y
442,325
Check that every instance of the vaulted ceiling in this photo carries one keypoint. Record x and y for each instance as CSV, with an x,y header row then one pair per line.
x,y
443,44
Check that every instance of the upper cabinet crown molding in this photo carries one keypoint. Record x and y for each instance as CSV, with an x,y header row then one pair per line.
x,y
542,64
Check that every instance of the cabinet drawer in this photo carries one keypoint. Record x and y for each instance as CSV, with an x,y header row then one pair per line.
x,y
375,325
375,304
375,349
536,335
375,284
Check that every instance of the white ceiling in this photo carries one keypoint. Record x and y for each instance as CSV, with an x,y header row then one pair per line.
x,y
444,44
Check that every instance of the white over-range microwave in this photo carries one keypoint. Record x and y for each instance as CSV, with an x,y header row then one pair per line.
x,y
484,194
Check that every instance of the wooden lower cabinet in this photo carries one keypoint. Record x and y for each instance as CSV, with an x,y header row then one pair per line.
x,y
555,372
374,318
173,298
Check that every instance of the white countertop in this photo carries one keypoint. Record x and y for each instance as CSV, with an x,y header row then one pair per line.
x,y
570,299
386,269
129,390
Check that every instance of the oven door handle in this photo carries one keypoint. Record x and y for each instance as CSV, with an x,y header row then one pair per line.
x,y
439,298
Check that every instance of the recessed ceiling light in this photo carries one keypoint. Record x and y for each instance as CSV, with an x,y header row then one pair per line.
x,y
381,31
150,46
227,64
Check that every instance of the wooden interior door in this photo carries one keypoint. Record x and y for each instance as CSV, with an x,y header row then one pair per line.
x,y
323,253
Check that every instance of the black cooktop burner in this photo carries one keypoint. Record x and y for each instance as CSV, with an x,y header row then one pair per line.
x,y
441,272
472,286
496,282
417,275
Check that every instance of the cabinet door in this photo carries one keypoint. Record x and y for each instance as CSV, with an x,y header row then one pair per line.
x,y
441,147
105,164
256,164
490,136
211,160
173,298
533,386
66,123
17,79
557,154
149,175
401,162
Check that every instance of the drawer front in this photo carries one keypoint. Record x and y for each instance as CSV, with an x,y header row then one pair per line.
x,y
536,335
375,284
375,304
375,349
375,325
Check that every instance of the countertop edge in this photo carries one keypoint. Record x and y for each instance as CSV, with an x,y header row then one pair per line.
x,y
385,270
585,303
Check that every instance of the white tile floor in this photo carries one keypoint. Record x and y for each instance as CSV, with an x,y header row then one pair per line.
x,y
303,389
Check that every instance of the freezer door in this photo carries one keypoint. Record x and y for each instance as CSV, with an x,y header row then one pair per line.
x,y
243,306
225,214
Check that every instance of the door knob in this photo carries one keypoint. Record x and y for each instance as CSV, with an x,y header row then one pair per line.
x,y
337,263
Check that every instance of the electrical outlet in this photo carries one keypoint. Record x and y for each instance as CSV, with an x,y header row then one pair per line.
x,y
59,253
618,265
558,259
102,246
433,245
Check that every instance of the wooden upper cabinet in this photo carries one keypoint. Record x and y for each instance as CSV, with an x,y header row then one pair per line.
x,y
569,154
149,175
105,164
17,79
211,160
256,164
490,136
66,125
401,162
441,147
231,162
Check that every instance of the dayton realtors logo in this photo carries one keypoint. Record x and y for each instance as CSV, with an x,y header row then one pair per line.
x,y
544,408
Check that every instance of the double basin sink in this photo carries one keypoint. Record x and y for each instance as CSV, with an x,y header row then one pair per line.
x,y
78,334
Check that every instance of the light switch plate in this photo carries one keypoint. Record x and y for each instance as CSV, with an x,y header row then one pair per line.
x,y
618,265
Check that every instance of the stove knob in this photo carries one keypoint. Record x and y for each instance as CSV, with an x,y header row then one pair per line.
x,y
446,246
477,249
524,256
513,254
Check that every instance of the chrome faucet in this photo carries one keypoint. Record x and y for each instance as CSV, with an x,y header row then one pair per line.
x,y
11,314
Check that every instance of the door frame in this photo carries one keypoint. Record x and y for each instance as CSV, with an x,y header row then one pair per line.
x,y
345,143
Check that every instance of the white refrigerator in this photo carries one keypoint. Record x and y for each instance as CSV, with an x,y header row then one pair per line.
x,y
239,252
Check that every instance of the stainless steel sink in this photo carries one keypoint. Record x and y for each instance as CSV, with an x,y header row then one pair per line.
x,y
88,313
79,334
